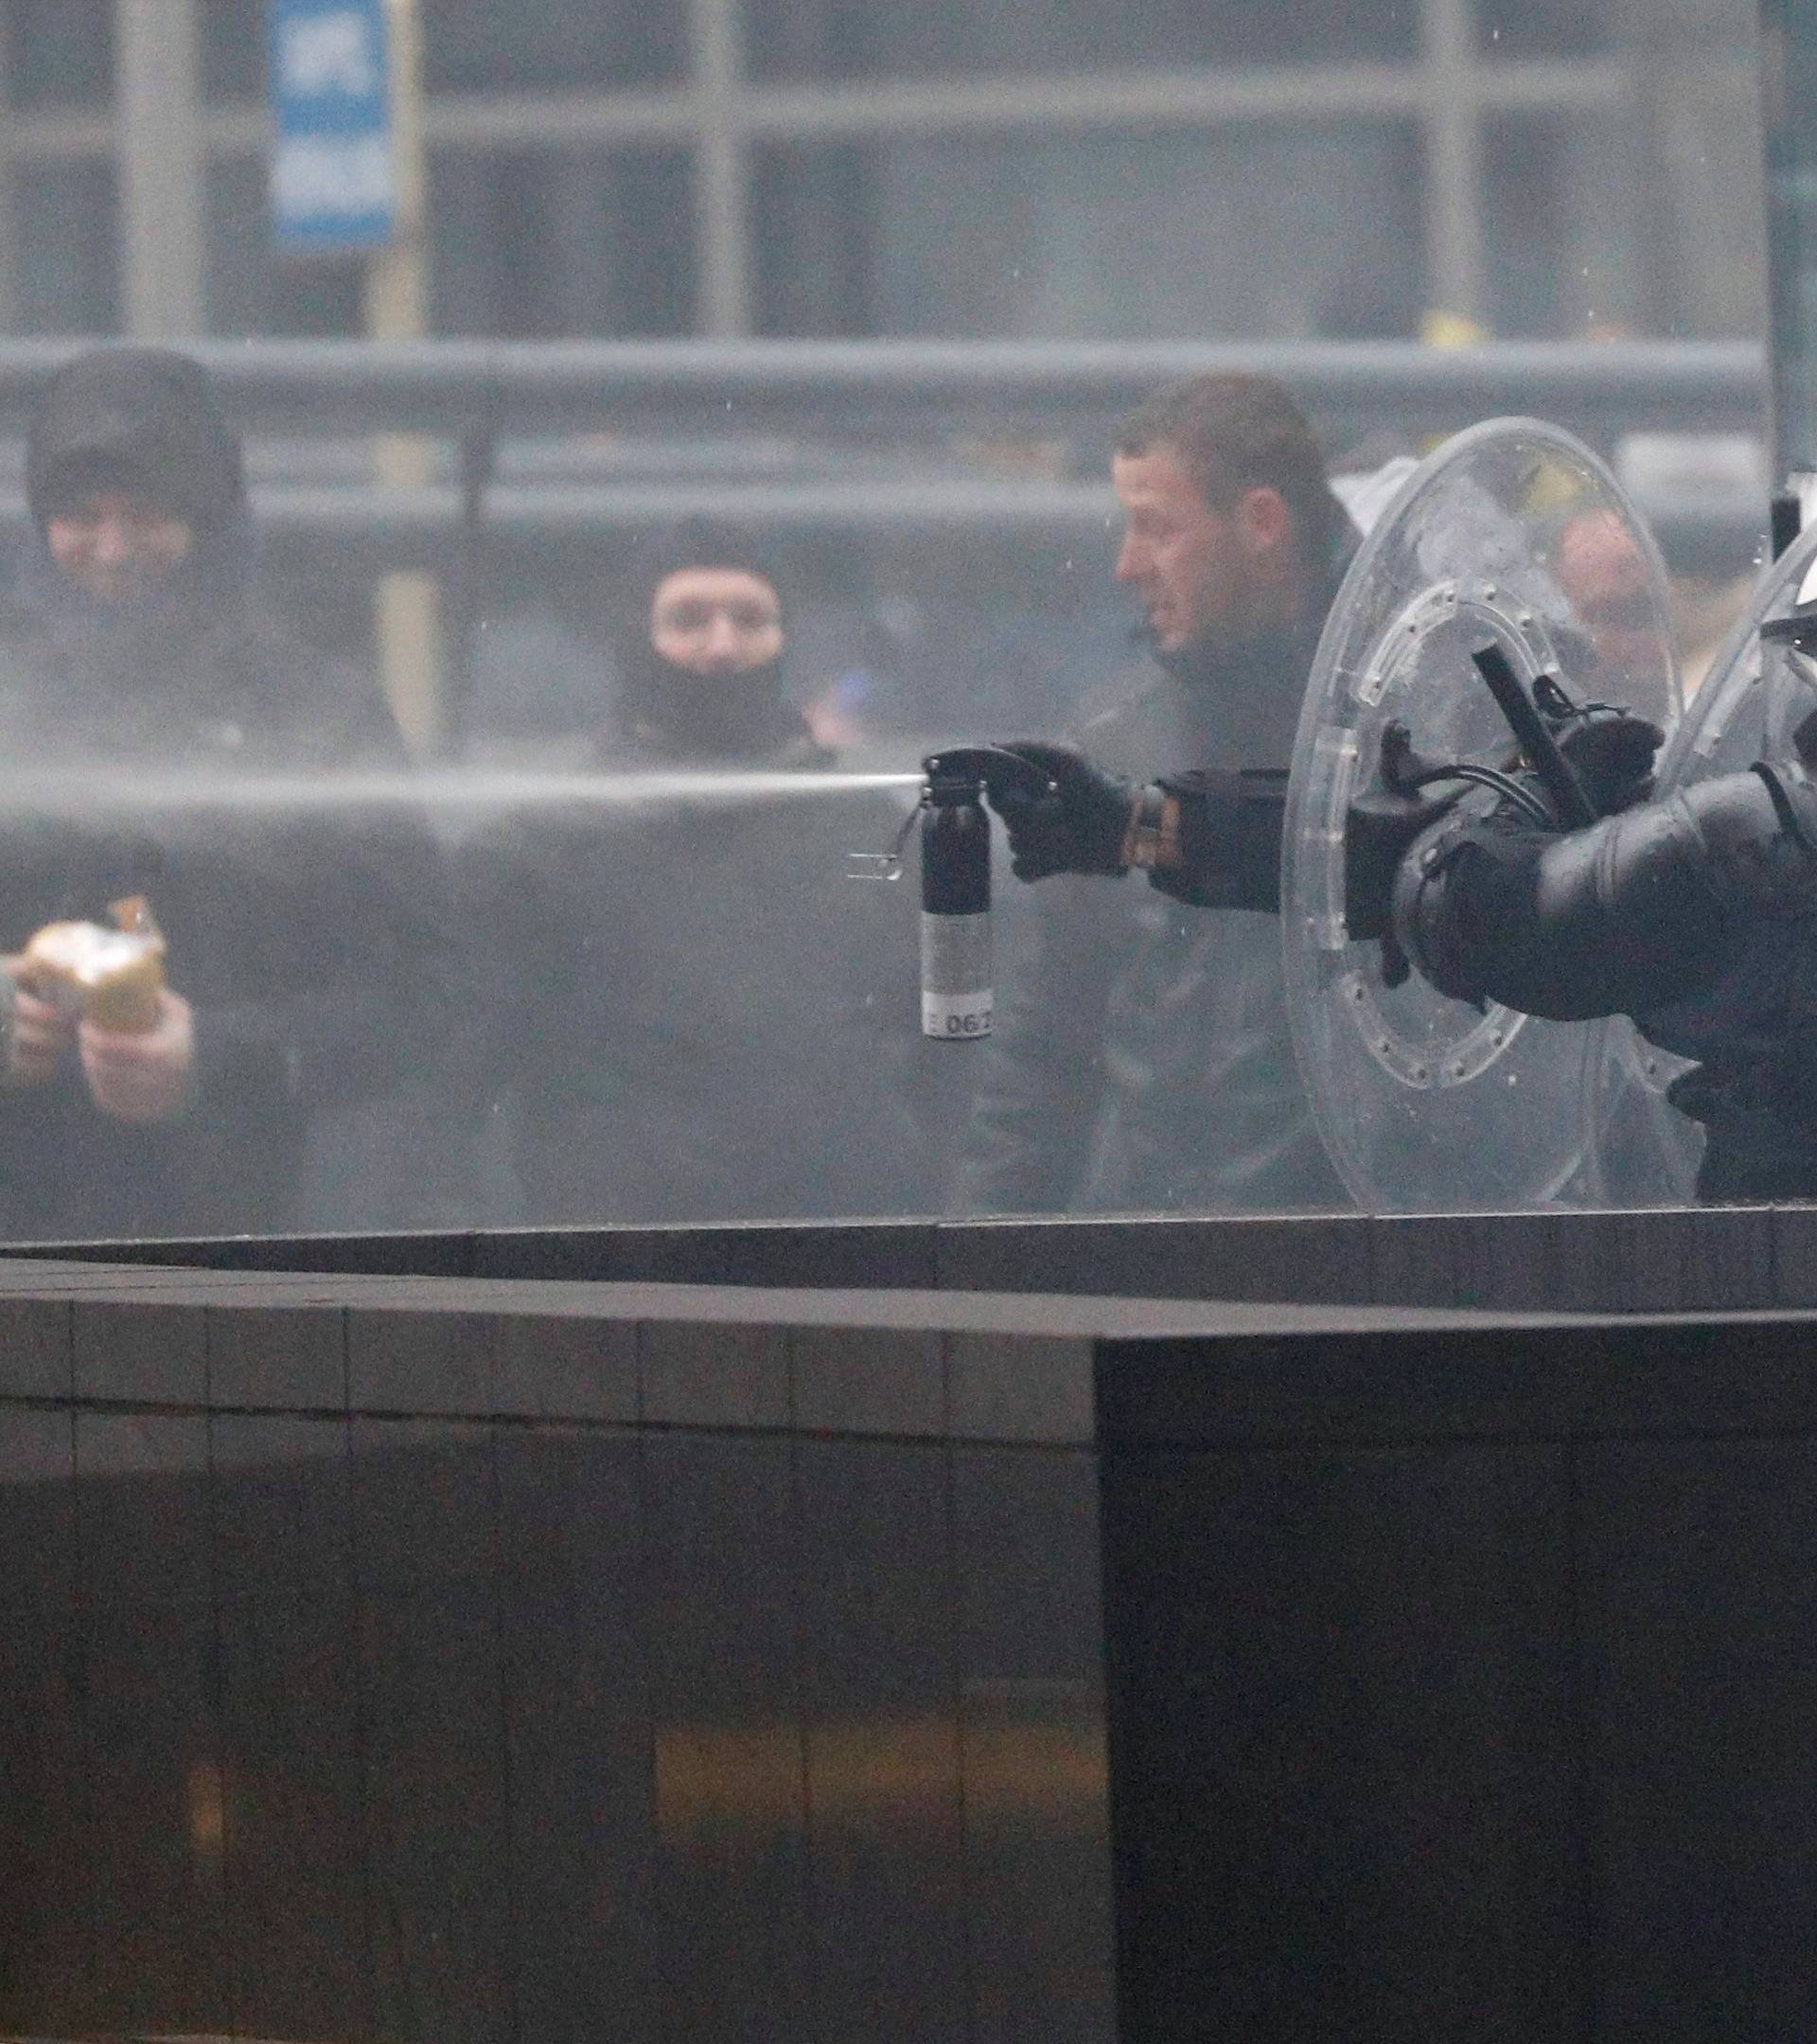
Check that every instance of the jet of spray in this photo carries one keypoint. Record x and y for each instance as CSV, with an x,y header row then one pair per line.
x,y
467,791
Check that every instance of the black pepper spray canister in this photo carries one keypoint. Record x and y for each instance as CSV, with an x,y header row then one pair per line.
x,y
956,981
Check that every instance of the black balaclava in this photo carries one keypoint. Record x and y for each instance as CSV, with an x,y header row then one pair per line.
x,y
741,716
144,420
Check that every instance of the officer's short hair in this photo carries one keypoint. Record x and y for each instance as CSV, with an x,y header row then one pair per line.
x,y
1236,432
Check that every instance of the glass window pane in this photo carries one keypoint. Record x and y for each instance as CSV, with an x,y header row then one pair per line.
x,y
561,242
1542,27
67,224
233,49
804,38
550,45
60,52
1672,245
1101,238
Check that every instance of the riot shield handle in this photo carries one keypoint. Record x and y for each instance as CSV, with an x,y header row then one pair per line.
x,y
1570,804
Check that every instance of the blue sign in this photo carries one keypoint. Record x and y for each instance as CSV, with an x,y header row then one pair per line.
x,y
333,187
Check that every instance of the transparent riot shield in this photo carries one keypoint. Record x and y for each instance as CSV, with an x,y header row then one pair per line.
x,y
1514,535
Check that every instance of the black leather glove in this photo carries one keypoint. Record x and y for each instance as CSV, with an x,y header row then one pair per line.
x,y
1385,818
1077,823
1612,754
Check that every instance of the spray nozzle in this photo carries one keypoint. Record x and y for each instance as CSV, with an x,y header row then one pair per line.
x,y
960,775
960,772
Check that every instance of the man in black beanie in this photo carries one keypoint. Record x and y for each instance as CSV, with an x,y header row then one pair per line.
x,y
305,955
702,1020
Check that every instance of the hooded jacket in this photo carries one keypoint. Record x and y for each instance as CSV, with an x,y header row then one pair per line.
x,y
314,948
705,1020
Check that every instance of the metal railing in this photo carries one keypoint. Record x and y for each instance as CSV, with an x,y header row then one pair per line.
x,y
870,440
900,401
457,388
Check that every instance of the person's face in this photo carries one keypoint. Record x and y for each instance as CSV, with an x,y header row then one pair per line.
x,y
1600,569
116,545
1199,571
716,621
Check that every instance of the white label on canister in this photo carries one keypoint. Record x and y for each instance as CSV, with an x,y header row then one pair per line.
x,y
956,977
956,1017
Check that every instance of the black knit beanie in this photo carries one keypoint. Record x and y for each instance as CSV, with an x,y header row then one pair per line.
x,y
140,418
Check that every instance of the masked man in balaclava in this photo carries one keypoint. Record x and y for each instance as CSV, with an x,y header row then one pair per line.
x,y
704,1021
304,963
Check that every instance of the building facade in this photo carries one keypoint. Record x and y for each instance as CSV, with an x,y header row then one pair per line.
x,y
1080,168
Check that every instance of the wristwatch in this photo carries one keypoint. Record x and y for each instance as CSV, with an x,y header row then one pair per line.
x,y
1154,837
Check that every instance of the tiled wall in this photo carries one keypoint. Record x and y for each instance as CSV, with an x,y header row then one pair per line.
x,y
410,1670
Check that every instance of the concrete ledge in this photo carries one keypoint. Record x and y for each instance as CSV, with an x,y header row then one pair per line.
x,y
1667,1261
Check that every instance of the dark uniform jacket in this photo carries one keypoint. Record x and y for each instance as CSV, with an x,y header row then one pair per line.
x,y
314,948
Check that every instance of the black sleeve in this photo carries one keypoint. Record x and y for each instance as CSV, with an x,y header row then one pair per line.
x,y
1230,829
1632,913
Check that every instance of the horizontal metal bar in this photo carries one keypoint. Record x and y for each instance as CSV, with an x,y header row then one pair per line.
x,y
1187,97
423,527
873,388
1285,93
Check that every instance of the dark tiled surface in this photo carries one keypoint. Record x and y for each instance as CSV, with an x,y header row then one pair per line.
x,y
465,1724
1721,1259
37,1507
874,1254
545,1367
393,1255
724,1562
282,1507
1344,1745
298,1947
867,1381
1701,1607
140,1352
291,1358
1668,1261
437,1838
49,1944
712,1375
879,1640
36,1353
1520,1383
1032,1758
152,1841
1315,1258
423,1505
142,1511
1793,1234
1019,1387
419,1361
574,1648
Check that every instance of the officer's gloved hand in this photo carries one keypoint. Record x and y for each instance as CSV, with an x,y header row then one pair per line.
x,y
1385,818
1611,753
1068,816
